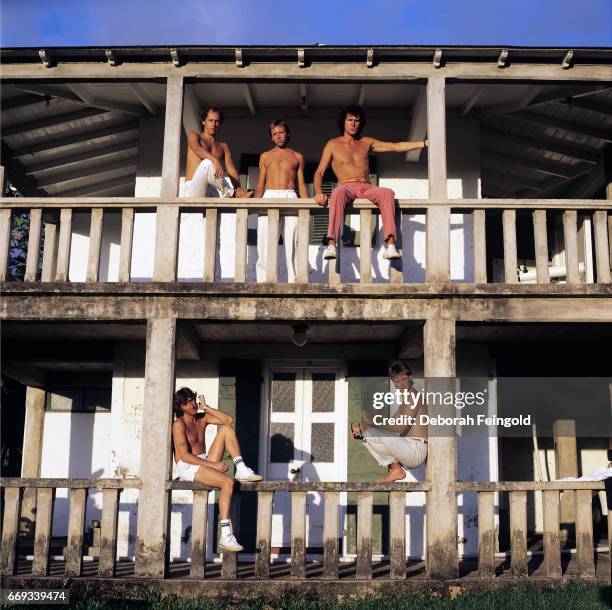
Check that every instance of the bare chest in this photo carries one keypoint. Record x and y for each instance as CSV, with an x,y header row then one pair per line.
x,y
355,153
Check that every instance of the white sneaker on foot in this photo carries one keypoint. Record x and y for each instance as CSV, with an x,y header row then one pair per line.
x,y
246,474
229,543
330,253
391,252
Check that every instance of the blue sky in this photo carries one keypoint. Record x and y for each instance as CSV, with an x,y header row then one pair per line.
x,y
47,23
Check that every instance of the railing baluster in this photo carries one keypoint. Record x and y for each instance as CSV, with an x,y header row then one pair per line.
x,y
95,242
127,236
49,252
510,260
210,244
365,246
264,534
108,532
167,220
486,535
301,256
602,253
229,566
552,543
541,246
518,533
298,534
330,534
480,246
397,526
42,535
10,530
33,245
199,529
76,526
63,248
437,244
570,237
5,241
242,217
272,254
364,534
333,267
584,533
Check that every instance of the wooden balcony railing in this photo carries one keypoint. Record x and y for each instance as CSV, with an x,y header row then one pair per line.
x,y
54,215
487,564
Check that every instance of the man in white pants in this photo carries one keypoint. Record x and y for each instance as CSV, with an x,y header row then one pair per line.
x,y
281,169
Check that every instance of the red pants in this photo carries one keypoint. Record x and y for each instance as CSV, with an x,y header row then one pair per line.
x,y
346,193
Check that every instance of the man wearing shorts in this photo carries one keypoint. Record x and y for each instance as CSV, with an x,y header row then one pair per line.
x,y
281,169
398,447
193,463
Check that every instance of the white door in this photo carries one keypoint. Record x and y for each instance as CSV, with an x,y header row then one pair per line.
x,y
304,440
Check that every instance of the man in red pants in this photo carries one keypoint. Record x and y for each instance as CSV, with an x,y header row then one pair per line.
x,y
348,156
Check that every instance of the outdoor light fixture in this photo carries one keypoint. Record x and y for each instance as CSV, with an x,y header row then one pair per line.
x,y
300,334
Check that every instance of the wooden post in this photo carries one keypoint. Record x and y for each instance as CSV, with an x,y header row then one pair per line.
x,y
33,245
480,246
602,253
397,527
264,534
167,221
42,536
301,257
127,235
570,237
76,526
566,465
5,241
63,249
365,503
108,533
95,241
155,446
49,252
584,533
272,253
365,246
552,544
10,530
210,244
486,534
441,526
199,530
541,246
518,533
510,260
298,534
242,217
330,535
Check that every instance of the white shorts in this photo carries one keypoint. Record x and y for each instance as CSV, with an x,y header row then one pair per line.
x,y
280,194
184,471
388,447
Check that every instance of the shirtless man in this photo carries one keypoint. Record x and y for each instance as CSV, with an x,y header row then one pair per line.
x,y
397,447
194,464
348,156
206,175
281,169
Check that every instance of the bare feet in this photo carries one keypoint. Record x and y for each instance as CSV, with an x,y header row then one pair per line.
x,y
220,466
396,473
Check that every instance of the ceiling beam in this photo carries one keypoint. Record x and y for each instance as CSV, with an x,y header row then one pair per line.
x,y
511,179
475,92
248,98
551,169
410,343
191,111
547,145
361,95
22,101
99,187
52,121
86,136
16,175
583,104
304,98
97,153
86,172
84,93
187,342
418,124
144,99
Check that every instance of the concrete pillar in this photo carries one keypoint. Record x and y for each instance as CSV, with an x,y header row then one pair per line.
x,y
441,528
32,454
155,447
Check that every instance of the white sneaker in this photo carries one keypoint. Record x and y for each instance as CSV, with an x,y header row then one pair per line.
x,y
391,252
330,253
229,543
247,474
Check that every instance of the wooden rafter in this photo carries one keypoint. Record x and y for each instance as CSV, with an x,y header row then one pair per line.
x,y
52,121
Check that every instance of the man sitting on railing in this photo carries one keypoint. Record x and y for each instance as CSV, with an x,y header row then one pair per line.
x,y
397,446
281,169
348,156
193,463
206,175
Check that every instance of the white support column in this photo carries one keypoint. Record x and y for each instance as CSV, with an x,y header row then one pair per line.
x,y
155,447
441,527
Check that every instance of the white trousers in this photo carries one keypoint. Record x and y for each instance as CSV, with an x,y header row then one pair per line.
x,y
388,447
289,232
204,184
